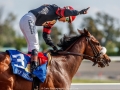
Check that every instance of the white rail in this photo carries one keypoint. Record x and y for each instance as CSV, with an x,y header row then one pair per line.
x,y
113,58
95,86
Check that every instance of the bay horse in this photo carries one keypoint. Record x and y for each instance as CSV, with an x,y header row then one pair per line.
x,y
63,66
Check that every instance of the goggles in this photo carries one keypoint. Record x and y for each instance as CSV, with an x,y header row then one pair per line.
x,y
67,19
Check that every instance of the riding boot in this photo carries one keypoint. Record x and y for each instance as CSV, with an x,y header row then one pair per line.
x,y
34,64
34,60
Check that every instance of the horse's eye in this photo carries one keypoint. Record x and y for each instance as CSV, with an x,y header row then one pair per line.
x,y
98,44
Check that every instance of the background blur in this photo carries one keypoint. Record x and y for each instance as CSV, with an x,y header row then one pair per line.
x,y
102,21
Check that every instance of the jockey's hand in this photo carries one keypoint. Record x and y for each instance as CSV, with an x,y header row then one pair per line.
x,y
55,48
84,11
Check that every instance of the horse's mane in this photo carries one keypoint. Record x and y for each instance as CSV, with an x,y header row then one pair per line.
x,y
66,41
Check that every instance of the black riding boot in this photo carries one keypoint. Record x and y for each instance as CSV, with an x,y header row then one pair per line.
x,y
34,64
34,60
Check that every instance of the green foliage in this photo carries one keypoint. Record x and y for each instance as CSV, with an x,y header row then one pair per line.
x,y
110,46
55,35
7,33
71,29
43,46
20,42
90,23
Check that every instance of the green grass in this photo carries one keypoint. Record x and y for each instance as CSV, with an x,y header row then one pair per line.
x,y
93,81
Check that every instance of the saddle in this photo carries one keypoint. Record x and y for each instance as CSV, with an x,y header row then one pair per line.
x,y
42,58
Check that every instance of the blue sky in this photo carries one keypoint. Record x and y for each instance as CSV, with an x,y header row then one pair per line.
x,y
21,7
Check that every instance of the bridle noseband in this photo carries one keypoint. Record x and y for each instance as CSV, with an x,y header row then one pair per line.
x,y
98,57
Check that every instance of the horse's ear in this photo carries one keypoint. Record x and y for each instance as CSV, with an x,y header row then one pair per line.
x,y
80,31
86,32
65,36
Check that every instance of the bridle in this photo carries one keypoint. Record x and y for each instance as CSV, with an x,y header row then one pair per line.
x,y
97,58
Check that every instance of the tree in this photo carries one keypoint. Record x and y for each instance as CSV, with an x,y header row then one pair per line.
x,y
19,43
55,35
103,27
108,24
71,30
90,23
7,33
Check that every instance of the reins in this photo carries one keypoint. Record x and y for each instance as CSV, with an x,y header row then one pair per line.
x,y
96,54
73,53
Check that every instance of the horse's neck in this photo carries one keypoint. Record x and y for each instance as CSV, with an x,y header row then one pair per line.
x,y
75,61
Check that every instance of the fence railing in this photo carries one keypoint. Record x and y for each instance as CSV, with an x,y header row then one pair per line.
x,y
113,58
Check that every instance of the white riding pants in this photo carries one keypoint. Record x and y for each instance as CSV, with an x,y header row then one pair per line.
x,y
27,26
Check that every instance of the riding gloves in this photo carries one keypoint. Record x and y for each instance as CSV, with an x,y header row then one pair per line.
x,y
55,48
49,41
84,11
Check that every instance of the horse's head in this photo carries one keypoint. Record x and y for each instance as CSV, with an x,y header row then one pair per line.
x,y
93,49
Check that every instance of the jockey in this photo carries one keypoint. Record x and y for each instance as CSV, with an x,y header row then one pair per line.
x,y
46,16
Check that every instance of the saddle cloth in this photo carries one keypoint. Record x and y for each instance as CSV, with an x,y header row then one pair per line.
x,y
20,63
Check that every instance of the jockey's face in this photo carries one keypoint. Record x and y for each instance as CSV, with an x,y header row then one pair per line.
x,y
63,19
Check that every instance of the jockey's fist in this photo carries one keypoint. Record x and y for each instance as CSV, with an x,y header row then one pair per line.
x,y
55,48
84,11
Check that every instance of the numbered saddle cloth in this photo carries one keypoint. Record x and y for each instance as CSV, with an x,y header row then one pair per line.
x,y
20,63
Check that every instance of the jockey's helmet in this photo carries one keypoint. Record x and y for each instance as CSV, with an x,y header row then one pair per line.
x,y
71,18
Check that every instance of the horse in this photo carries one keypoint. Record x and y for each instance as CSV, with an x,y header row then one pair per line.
x,y
63,65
